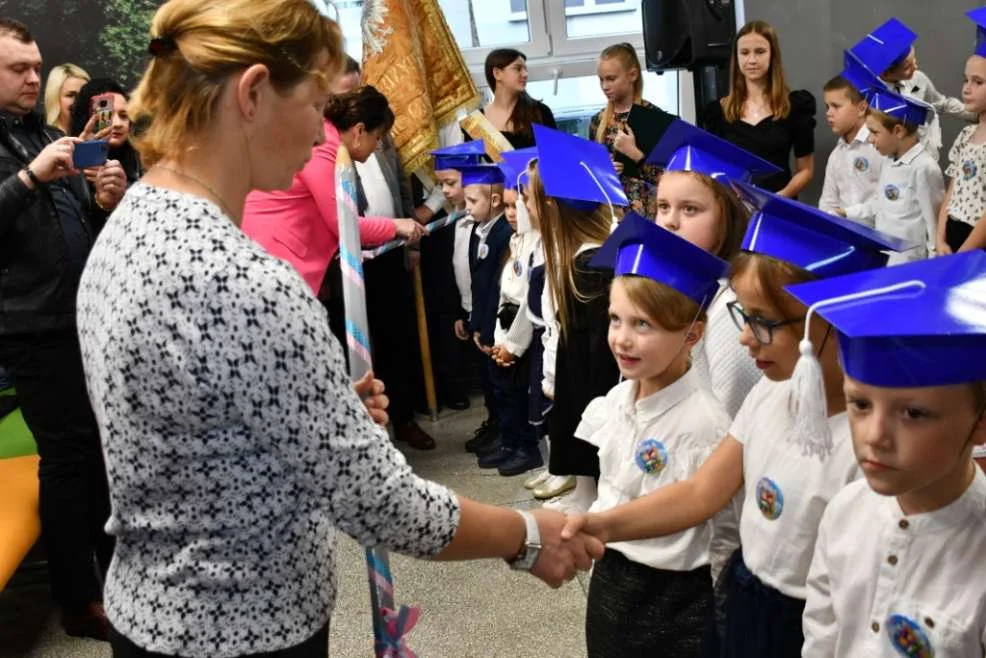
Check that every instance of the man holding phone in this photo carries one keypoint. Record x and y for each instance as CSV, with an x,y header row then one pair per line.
x,y
45,238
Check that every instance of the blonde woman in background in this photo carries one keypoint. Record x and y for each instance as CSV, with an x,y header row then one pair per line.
x,y
64,83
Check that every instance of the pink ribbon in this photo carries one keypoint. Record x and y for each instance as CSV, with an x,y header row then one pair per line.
x,y
397,624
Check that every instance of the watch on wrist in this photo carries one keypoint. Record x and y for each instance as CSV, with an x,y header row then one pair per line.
x,y
34,178
531,549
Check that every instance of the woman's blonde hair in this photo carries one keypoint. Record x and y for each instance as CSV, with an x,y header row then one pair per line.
x,y
563,230
777,89
627,55
733,215
663,305
199,45
53,90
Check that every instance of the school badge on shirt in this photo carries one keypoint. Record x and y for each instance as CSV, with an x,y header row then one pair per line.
x,y
484,251
969,169
518,268
770,499
861,164
892,192
651,456
908,638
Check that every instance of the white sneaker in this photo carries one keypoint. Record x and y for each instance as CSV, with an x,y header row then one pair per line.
x,y
537,479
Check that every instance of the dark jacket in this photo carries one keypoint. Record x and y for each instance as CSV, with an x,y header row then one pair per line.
x,y
37,288
486,280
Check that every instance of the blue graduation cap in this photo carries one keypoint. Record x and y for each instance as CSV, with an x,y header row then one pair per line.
x,y
642,248
481,174
912,325
978,16
576,171
687,148
812,239
858,75
514,165
905,108
885,46
458,155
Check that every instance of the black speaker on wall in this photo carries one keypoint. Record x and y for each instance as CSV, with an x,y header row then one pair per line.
x,y
687,34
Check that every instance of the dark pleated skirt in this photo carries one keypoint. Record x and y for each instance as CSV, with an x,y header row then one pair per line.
x,y
760,621
638,611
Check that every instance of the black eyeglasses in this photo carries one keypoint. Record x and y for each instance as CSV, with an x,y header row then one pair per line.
x,y
761,328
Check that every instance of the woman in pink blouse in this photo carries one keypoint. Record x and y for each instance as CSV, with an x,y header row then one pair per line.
x,y
300,224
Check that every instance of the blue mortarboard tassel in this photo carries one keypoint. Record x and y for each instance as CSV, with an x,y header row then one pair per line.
x,y
642,248
978,16
885,46
683,147
912,325
576,171
905,108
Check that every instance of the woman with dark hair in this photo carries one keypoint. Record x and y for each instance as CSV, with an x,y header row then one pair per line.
x,y
300,225
513,112
118,134
762,115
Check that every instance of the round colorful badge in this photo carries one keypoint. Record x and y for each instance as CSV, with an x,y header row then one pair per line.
x,y
908,638
892,192
518,268
770,499
861,164
969,169
651,456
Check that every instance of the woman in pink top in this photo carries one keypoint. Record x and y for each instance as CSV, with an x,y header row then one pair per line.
x,y
300,225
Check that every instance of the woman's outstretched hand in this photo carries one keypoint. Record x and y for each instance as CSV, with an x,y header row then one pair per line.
x,y
371,392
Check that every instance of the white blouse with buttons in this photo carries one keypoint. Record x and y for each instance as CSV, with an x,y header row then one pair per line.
x,y
786,491
514,282
884,584
650,443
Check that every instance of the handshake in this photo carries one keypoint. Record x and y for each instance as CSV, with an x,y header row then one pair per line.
x,y
567,545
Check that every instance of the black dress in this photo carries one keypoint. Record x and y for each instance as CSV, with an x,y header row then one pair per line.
x,y
584,370
772,139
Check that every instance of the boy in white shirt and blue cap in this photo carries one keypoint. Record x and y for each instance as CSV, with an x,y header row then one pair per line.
x,y
897,569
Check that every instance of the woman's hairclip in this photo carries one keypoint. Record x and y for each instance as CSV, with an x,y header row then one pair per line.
x,y
162,46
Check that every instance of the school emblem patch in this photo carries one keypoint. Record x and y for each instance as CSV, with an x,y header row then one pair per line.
x,y
651,456
861,164
892,192
770,499
908,638
518,268
969,169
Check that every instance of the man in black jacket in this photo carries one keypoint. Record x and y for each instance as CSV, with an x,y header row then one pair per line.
x,y
45,237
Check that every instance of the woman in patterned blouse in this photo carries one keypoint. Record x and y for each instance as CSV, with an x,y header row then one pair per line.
x,y
621,79
235,445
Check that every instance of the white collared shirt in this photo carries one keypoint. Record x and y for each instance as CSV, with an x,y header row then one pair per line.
x,y
909,196
786,491
460,260
514,282
851,174
379,197
650,443
882,579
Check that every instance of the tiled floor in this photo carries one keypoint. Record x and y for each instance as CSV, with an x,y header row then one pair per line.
x,y
478,609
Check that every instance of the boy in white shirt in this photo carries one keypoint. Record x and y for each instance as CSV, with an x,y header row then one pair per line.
x,y
854,166
911,186
897,569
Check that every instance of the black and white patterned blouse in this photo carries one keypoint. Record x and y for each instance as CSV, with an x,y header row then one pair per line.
x,y
234,442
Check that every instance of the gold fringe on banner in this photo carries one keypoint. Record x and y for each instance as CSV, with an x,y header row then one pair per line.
x,y
411,57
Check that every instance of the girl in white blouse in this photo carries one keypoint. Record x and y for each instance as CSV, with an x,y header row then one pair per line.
x,y
897,569
786,491
653,429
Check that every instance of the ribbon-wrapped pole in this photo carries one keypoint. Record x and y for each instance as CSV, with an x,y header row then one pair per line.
x,y
429,228
387,644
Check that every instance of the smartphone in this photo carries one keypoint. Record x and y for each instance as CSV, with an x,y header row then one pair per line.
x,y
90,154
102,107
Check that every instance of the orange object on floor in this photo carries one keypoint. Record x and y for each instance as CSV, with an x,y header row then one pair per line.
x,y
20,523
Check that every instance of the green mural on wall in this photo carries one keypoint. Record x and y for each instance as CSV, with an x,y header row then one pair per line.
x,y
108,38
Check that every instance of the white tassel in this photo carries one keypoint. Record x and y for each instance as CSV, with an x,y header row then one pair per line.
x,y
809,404
523,217
614,221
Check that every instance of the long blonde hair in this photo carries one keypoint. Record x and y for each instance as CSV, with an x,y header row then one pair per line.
x,y
629,60
564,230
777,90
202,44
53,90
